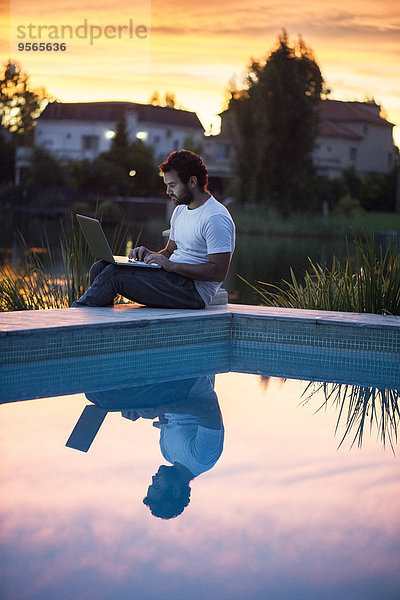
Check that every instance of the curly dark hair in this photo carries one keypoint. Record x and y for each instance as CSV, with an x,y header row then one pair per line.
x,y
168,506
186,163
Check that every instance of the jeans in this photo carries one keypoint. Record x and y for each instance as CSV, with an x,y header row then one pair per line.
x,y
153,287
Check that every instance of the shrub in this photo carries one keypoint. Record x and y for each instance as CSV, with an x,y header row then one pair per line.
x,y
368,282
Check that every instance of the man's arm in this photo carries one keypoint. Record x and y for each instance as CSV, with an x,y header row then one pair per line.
x,y
141,252
215,269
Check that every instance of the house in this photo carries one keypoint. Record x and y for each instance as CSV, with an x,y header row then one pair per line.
x,y
350,134
79,130
83,130
353,134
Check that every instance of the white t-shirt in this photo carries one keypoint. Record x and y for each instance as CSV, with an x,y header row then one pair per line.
x,y
208,229
183,440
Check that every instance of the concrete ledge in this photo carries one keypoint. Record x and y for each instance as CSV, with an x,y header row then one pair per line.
x,y
55,352
30,320
53,334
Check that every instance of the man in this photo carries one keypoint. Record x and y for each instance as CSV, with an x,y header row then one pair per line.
x,y
191,440
191,433
196,258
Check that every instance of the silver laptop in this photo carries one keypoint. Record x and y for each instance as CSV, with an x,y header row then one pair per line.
x,y
100,248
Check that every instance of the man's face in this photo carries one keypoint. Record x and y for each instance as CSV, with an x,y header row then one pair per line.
x,y
161,482
179,192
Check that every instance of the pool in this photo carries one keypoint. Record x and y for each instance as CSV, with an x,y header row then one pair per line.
x,y
286,512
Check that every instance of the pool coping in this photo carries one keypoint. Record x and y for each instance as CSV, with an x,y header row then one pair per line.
x,y
32,321
29,336
73,344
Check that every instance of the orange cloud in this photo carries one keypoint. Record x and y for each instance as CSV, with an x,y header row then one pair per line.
x,y
196,48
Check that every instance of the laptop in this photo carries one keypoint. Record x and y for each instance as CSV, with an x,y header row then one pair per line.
x,y
86,428
100,248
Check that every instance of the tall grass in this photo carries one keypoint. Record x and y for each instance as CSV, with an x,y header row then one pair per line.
x,y
40,282
360,407
368,281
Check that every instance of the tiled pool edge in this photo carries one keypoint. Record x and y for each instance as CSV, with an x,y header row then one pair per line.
x,y
29,336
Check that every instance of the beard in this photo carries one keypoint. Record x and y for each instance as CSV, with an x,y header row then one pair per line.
x,y
185,197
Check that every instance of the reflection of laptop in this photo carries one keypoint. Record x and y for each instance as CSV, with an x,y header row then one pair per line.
x,y
100,248
86,428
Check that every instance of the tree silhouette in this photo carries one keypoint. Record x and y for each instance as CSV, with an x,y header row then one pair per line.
x,y
273,125
20,105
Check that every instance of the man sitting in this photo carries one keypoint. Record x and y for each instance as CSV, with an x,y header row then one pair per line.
x,y
196,258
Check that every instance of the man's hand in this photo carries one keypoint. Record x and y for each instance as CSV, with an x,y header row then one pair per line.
x,y
139,253
159,259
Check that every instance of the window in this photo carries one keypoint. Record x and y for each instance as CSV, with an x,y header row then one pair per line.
x,y
90,142
176,144
225,151
168,133
142,135
156,139
353,154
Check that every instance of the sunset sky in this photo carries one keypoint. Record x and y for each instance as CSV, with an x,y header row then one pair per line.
x,y
193,49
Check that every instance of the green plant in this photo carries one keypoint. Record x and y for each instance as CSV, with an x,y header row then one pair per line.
x,y
41,282
358,407
367,282
348,206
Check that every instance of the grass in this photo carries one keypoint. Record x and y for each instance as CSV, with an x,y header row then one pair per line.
x,y
360,407
39,283
367,282
256,219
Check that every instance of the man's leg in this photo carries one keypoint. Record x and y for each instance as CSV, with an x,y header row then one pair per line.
x,y
152,287
96,269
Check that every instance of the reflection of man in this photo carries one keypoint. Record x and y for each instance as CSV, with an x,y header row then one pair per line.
x,y
191,439
196,258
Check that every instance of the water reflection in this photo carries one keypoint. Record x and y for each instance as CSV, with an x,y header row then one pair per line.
x,y
283,514
188,416
359,407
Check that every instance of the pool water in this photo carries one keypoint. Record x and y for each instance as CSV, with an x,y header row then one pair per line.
x,y
284,513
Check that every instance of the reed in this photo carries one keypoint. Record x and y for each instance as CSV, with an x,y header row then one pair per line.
x,y
40,282
368,281
359,407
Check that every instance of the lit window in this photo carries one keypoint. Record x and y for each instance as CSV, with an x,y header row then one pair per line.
x,y
109,134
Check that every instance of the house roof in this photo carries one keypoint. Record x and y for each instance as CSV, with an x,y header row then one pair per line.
x,y
364,112
331,129
113,111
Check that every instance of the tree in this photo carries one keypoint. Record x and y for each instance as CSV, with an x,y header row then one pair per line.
x,y
127,169
273,124
20,105
119,152
47,181
169,100
7,153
